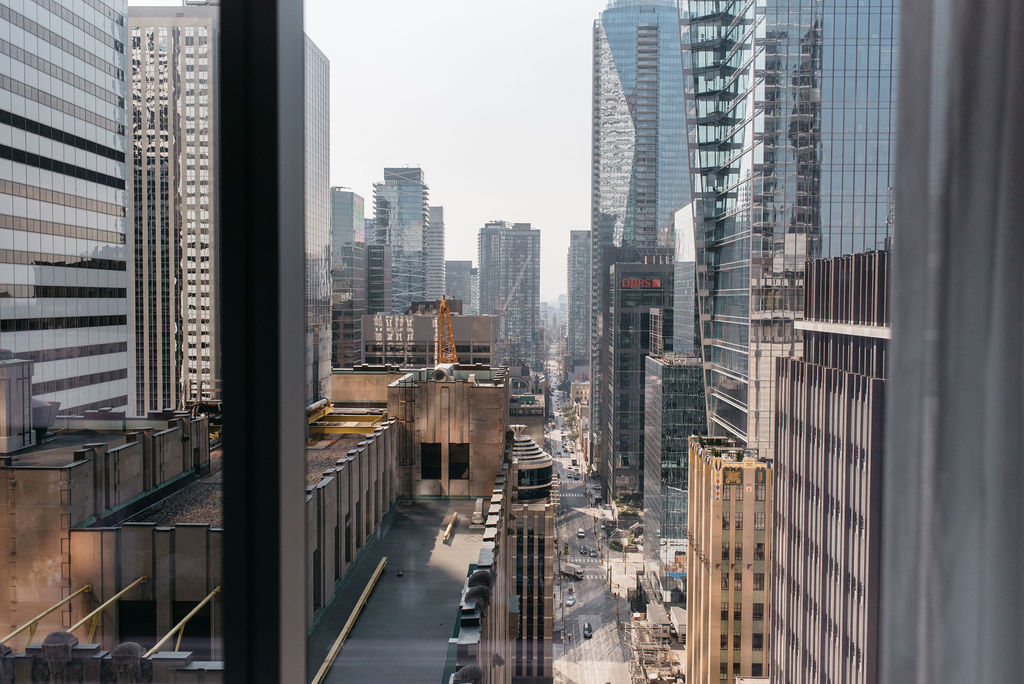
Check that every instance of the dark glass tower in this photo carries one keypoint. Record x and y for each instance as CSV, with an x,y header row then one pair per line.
x,y
639,176
791,118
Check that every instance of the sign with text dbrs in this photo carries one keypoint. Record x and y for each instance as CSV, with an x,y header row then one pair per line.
x,y
633,283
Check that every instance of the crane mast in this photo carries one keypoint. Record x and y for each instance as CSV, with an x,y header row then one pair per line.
x,y
445,351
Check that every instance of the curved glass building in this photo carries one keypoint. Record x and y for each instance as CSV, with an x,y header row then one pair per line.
x,y
532,467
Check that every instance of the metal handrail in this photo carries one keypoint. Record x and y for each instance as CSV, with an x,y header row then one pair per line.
x,y
33,624
448,532
94,616
321,674
180,627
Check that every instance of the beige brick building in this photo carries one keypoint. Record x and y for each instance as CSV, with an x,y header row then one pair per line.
x,y
730,508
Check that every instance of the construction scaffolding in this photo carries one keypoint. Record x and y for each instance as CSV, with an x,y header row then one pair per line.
x,y
650,660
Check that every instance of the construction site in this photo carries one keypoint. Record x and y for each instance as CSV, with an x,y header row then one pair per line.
x,y
656,655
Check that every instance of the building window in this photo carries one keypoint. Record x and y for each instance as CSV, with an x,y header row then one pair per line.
x,y
725,551
725,492
758,613
737,552
737,581
725,520
725,641
725,580
737,612
723,671
758,521
739,520
739,492
758,581
759,551
737,640
725,611
757,642
458,461
430,461
760,492
756,669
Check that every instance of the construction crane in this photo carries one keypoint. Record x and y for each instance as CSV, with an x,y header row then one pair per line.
x,y
445,351
502,321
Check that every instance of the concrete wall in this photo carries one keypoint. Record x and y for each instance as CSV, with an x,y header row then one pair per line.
x,y
450,412
364,385
40,504
345,509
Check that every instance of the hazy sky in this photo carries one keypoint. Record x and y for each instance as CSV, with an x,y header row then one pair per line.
x,y
491,99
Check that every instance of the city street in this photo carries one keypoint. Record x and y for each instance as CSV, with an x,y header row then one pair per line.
x,y
602,658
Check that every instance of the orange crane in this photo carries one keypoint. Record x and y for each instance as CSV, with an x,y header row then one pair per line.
x,y
445,351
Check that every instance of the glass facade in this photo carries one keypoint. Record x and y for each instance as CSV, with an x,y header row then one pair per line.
x,y
348,277
318,224
508,255
673,410
173,328
433,254
458,283
792,112
402,221
640,172
578,289
63,199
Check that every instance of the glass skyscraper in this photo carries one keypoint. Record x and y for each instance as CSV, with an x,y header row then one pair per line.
x,y
458,283
433,254
402,221
348,277
508,255
318,223
792,114
640,172
174,339
577,320
63,198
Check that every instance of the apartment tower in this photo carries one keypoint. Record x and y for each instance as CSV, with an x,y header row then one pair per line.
x,y
402,222
509,263
348,277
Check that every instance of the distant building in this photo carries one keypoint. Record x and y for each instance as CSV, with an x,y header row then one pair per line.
x,y
684,308
318,223
379,297
474,279
433,255
509,263
635,289
174,340
410,339
402,221
728,563
825,574
578,287
64,296
674,410
458,283
348,277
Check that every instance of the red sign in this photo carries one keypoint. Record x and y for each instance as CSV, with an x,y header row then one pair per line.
x,y
641,283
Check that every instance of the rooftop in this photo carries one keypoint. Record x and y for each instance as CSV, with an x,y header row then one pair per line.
x,y
325,454
59,448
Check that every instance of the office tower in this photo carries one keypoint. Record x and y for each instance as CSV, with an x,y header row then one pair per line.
x,y
433,254
809,175
458,283
577,318
639,173
378,279
825,572
474,280
64,297
409,340
509,263
729,558
639,313
318,224
174,342
402,221
673,410
684,308
348,277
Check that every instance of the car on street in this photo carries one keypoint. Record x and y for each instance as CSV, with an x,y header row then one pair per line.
x,y
570,600
583,550
580,533
593,553
588,631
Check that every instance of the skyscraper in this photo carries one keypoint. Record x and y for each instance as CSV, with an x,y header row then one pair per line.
x,y
509,262
639,173
433,254
348,277
402,221
378,279
826,572
174,340
63,175
577,275
458,283
794,160
318,224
